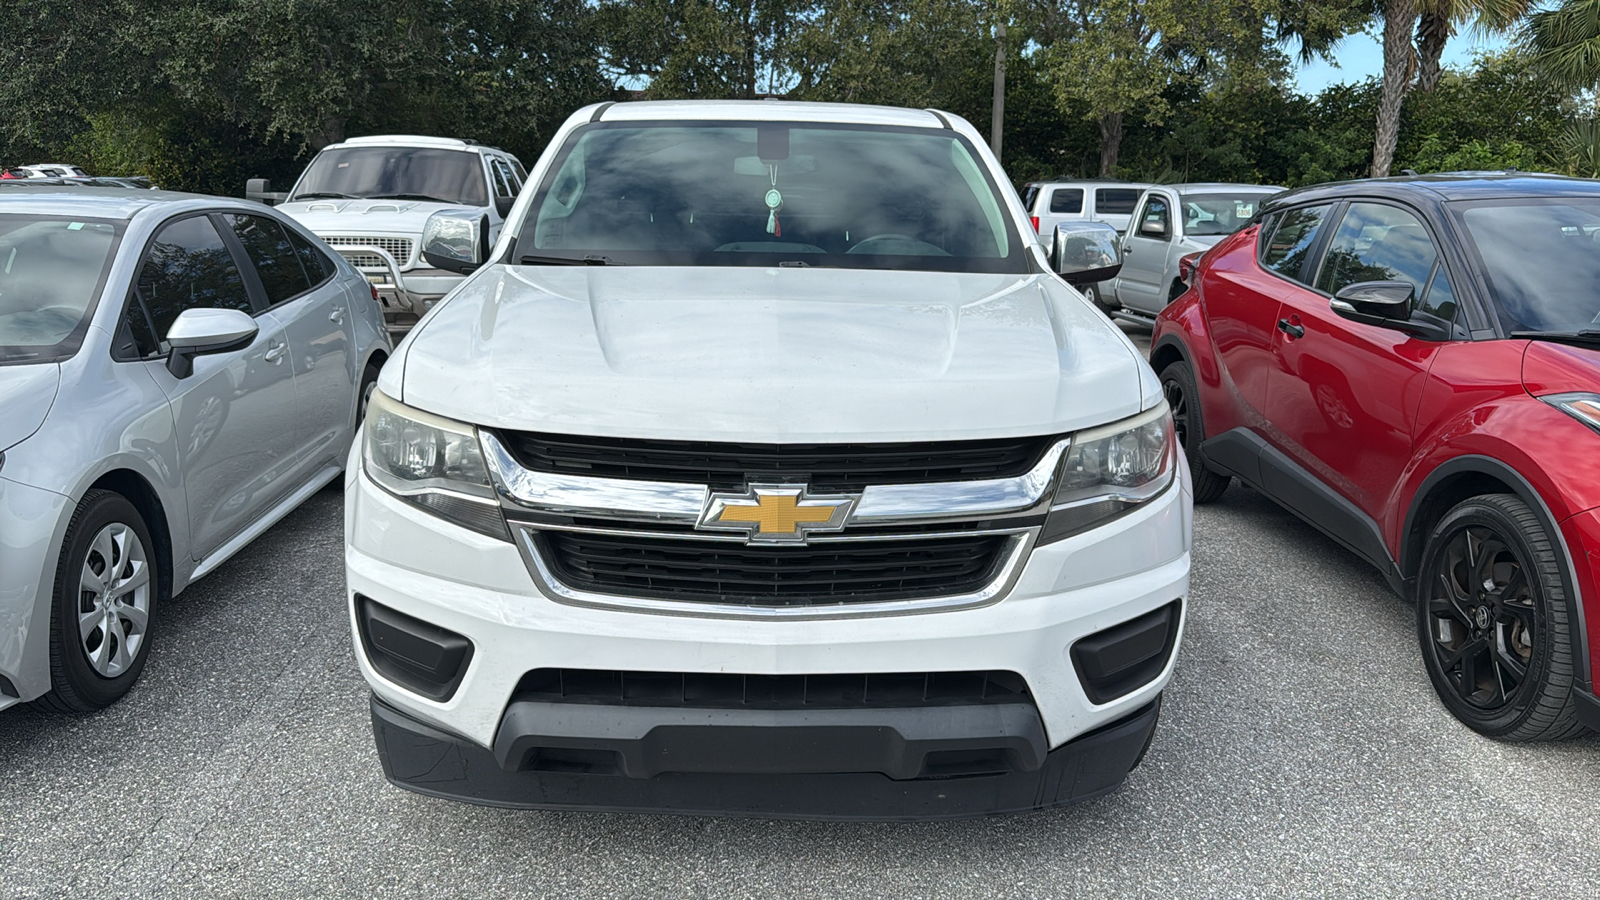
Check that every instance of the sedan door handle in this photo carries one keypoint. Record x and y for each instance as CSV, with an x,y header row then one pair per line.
x,y
1291,329
274,353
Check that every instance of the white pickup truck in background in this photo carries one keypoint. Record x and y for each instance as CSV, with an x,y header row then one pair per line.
x,y
371,197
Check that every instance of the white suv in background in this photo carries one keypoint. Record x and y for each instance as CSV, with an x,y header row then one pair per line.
x,y
1052,203
371,197
725,485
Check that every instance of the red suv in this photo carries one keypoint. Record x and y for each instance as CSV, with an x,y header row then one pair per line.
x,y
1413,366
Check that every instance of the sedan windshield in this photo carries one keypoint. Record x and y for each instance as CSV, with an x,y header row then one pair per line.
x,y
795,194
1214,214
1541,259
51,270
398,173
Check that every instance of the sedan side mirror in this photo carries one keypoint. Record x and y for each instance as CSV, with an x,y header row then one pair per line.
x,y
1085,252
197,332
453,240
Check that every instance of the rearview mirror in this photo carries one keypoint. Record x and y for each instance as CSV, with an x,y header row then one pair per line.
x,y
1153,229
454,240
196,332
502,205
1085,252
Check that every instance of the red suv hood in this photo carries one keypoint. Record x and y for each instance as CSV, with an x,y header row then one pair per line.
x,y
1551,368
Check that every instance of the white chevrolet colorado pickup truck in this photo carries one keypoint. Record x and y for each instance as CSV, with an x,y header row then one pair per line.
x,y
371,198
765,465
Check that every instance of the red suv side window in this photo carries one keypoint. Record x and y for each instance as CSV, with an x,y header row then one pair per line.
x,y
1286,250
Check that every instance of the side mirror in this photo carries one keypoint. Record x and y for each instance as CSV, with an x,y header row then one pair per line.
x,y
1387,304
1387,299
453,240
502,205
260,190
1152,229
197,332
1085,252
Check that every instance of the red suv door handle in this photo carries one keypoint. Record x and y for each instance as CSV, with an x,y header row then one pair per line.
x,y
1291,329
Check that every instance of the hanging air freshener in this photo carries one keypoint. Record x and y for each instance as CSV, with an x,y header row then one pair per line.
x,y
774,203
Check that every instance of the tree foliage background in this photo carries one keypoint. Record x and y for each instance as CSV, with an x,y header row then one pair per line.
x,y
202,94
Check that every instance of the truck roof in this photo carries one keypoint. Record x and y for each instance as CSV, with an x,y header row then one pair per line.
x,y
770,111
407,140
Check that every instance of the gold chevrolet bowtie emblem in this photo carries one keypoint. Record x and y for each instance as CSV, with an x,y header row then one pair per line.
x,y
776,513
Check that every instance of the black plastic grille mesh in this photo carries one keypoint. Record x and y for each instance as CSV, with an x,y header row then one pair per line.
x,y
730,572
724,690
825,467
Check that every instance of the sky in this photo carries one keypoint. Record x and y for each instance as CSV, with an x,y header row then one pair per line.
x,y
1360,56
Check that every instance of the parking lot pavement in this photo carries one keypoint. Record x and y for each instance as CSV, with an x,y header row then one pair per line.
x,y
1301,752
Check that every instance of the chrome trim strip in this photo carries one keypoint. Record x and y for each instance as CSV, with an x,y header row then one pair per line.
x,y
892,503
1010,569
739,539
661,501
656,501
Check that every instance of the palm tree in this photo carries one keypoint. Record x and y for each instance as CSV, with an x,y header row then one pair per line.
x,y
1399,16
1440,18
1564,43
1434,22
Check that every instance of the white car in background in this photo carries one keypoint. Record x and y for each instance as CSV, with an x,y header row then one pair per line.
x,y
1172,225
371,198
54,170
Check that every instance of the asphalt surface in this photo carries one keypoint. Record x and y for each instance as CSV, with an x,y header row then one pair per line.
x,y
1301,753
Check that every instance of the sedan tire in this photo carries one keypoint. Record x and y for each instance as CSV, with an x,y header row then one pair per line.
x,y
1492,618
107,582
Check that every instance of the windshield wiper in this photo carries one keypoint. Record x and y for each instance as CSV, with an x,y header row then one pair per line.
x,y
1587,337
321,195
426,198
1583,337
593,259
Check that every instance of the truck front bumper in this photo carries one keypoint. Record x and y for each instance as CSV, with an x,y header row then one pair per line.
x,y
763,763
481,628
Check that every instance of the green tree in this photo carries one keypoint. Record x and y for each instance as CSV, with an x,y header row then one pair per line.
x,y
711,49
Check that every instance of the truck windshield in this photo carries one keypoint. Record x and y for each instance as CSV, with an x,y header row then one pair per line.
x,y
763,194
400,173
51,270
1213,214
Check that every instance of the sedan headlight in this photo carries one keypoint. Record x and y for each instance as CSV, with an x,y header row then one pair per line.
x,y
1110,471
1583,407
432,463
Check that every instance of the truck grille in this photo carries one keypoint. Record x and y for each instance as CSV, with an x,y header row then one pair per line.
x,y
722,690
825,467
727,572
399,248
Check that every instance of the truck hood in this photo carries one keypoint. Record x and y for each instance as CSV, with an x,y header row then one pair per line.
x,y
26,395
1203,241
769,355
355,217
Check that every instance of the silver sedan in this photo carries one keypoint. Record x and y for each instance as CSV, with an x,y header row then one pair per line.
x,y
176,374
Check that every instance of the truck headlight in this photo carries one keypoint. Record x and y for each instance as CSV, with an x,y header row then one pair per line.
x,y
432,463
1110,471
